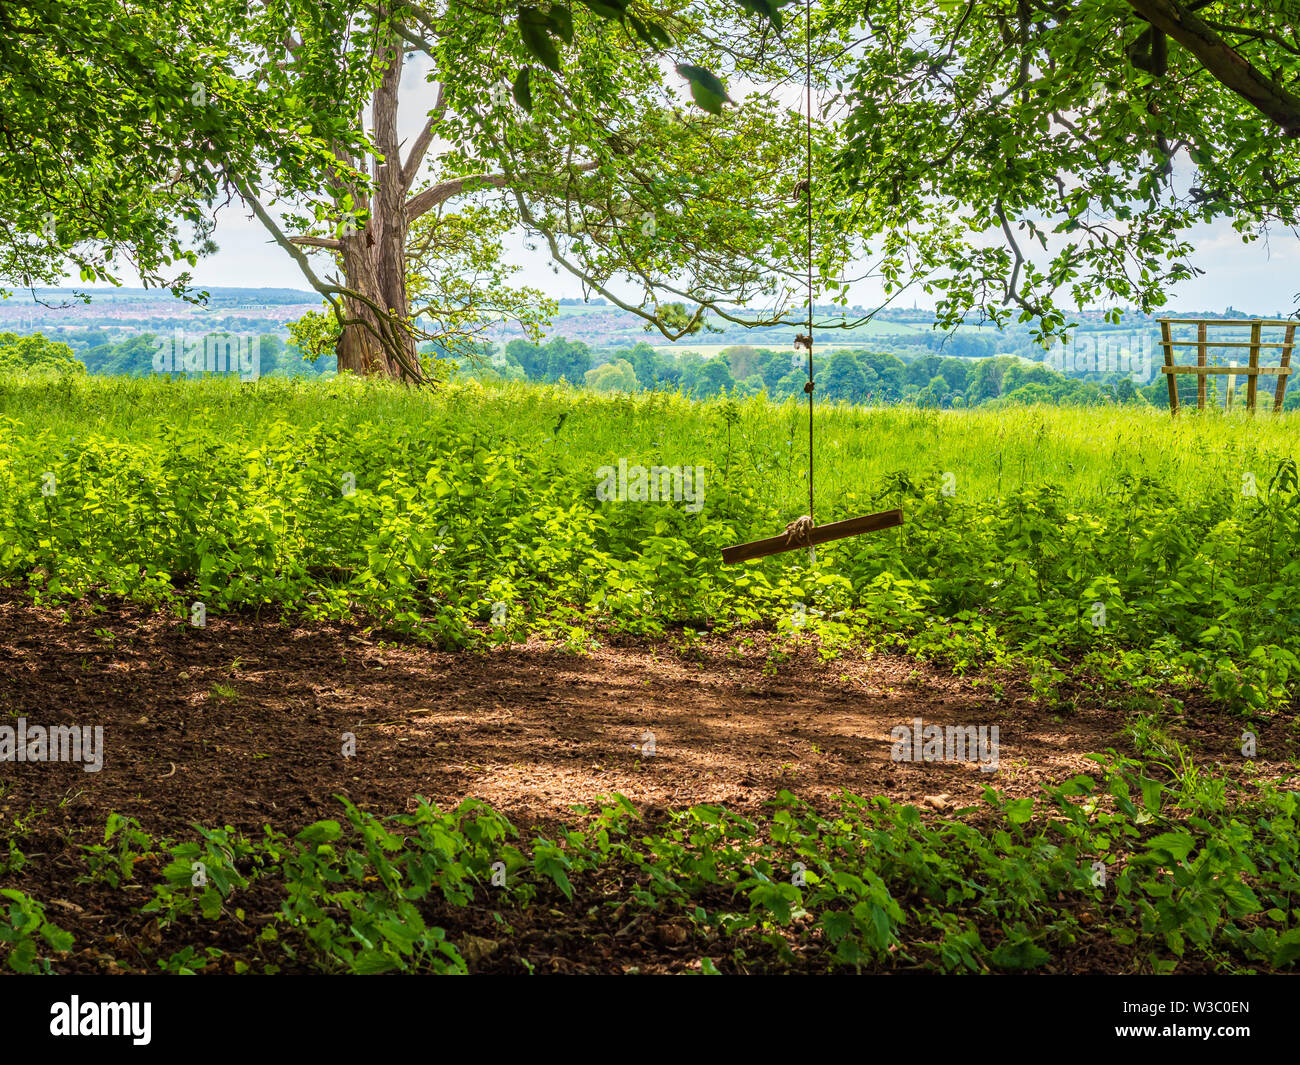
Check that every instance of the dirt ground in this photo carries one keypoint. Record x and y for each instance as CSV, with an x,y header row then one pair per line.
x,y
244,723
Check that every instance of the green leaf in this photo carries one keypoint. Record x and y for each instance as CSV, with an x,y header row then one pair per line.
x,y
1178,845
610,9
770,9
707,90
836,924
369,962
22,956
56,937
560,19
522,89
210,904
1020,811
1151,790
1019,953
641,30
320,832
660,35
533,29
1288,949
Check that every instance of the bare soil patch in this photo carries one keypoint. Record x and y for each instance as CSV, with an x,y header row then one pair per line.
x,y
243,723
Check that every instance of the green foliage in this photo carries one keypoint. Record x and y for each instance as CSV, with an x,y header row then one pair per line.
x,y
864,378
122,121
617,376
537,27
458,278
25,932
679,201
113,861
1121,864
35,352
961,120
336,500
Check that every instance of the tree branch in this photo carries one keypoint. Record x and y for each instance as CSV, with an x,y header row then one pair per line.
x,y
318,242
278,235
1223,62
440,193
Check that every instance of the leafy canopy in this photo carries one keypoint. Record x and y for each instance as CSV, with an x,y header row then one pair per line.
x,y
1016,155
120,122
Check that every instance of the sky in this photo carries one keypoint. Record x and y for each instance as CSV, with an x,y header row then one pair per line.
x,y
1261,278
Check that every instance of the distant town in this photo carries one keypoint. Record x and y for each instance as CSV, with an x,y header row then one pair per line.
x,y
114,315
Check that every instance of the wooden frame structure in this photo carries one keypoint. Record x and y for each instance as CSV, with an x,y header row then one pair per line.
x,y
1253,371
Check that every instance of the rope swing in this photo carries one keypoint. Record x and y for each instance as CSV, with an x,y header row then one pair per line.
x,y
804,531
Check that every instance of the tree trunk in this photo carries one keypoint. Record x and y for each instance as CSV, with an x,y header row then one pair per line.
x,y
374,258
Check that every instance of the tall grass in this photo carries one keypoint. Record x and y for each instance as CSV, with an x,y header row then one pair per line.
x,y
1086,451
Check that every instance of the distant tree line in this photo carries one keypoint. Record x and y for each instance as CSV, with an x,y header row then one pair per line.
x,y
844,376
847,375
134,357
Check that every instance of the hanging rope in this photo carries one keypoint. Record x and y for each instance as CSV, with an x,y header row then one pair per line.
x,y
798,532
808,195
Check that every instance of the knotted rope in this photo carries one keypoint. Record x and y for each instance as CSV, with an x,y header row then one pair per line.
x,y
799,532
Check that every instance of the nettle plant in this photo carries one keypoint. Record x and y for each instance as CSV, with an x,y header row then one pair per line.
x,y
1148,858
465,535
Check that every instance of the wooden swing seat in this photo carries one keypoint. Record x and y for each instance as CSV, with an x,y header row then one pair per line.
x,y
820,534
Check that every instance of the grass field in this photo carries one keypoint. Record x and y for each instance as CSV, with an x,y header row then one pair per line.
x,y
1084,450
438,573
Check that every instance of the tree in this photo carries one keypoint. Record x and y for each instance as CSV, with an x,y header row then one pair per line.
x,y
133,357
650,368
612,377
775,366
955,373
922,370
986,380
1088,138
932,395
967,343
120,121
742,359
1029,395
590,151
287,360
567,359
714,379
36,352
1098,133
844,379
1018,374
888,374
529,356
